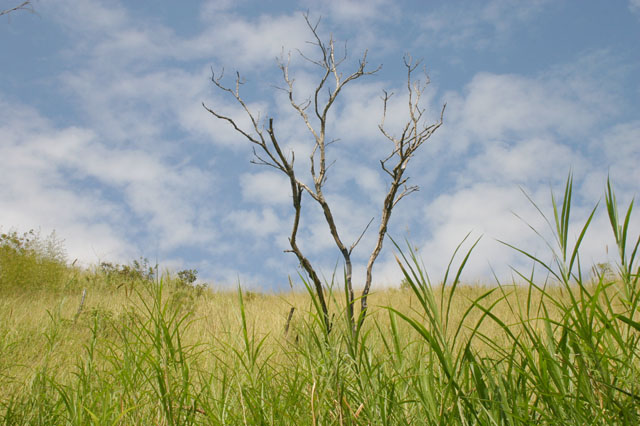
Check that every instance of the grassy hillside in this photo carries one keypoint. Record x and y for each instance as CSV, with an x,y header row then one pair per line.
x,y
141,349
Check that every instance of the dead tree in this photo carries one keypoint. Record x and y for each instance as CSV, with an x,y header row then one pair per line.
x,y
268,151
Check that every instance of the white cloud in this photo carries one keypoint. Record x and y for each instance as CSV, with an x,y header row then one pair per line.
x,y
505,131
353,10
211,8
244,43
88,16
34,193
112,36
267,187
67,179
121,177
140,108
634,6
483,209
260,224
527,161
369,181
568,102
501,106
489,210
108,34
479,24
621,147
360,112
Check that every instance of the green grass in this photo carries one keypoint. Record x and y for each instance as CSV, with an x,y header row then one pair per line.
x,y
149,350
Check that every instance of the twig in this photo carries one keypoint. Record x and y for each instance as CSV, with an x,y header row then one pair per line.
x,y
26,5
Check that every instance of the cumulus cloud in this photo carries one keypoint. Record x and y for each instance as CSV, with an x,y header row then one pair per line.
x,y
501,106
508,131
143,163
268,187
143,107
459,24
35,194
88,16
621,147
209,9
68,179
485,210
260,224
361,25
352,10
244,43
504,132
532,160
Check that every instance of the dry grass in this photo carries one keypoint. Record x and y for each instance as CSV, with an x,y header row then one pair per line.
x,y
149,351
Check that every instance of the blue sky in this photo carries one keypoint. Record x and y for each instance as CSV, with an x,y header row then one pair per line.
x,y
104,140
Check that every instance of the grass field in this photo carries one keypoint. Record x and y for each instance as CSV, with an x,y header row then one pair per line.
x,y
140,349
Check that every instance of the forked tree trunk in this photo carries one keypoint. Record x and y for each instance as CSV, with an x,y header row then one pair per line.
x,y
414,133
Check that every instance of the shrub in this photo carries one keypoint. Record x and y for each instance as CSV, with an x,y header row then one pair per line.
x,y
29,262
188,276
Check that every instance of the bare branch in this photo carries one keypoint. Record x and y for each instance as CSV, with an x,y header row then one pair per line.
x,y
361,235
330,84
233,123
300,108
262,162
25,5
414,134
407,190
